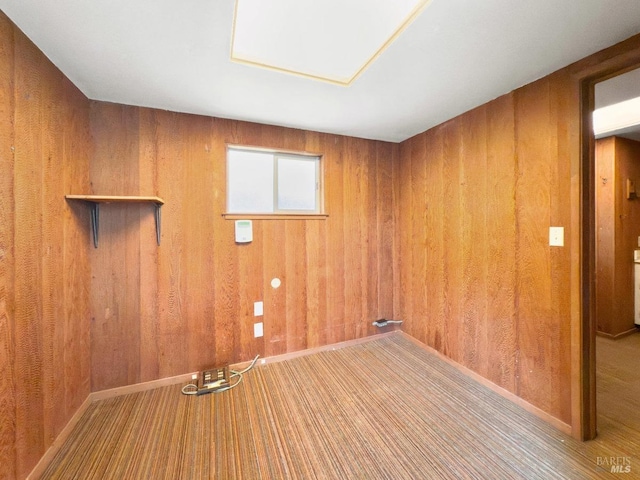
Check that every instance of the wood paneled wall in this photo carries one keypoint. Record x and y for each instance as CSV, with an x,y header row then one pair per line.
x,y
188,304
44,262
618,229
448,230
479,280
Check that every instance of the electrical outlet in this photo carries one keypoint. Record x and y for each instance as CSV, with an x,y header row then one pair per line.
x,y
258,309
215,378
258,330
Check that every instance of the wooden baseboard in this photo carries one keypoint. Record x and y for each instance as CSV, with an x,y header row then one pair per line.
x,y
141,387
51,452
557,423
618,335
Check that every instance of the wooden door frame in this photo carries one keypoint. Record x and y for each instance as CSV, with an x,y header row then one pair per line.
x,y
604,65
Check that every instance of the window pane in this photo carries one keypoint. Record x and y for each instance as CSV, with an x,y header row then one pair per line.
x,y
297,184
250,182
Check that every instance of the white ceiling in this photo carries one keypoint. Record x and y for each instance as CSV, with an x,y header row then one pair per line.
x,y
457,54
618,89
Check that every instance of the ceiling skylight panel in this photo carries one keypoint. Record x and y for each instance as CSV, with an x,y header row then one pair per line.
x,y
331,40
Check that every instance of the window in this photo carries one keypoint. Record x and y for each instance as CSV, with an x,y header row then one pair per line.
x,y
266,182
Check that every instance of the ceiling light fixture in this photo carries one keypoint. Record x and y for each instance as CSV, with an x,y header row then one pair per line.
x,y
616,118
333,41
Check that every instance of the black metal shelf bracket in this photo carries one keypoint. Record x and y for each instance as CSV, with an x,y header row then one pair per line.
x,y
95,218
95,221
158,207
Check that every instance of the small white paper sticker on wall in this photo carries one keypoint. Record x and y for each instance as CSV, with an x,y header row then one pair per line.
x,y
258,330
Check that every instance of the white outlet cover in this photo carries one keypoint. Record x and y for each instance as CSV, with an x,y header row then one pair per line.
x,y
556,236
258,330
258,309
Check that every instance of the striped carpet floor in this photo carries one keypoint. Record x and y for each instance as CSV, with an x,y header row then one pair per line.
x,y
382,409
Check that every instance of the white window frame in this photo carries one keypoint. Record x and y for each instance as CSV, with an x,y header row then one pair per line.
x,y
280,212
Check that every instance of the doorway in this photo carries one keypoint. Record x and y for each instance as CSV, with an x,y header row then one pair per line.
x,y
616,126
616,130
611,85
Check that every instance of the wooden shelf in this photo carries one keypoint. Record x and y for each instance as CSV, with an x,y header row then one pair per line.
x,y
95,200
115,199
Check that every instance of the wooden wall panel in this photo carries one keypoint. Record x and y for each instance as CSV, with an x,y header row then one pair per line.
x,y
199,283
502,246
44,322
354,219
119,243
28,178
561,107
539,346
334,202
627,154
404,235
7,263
452,236
497,296
317,268
617,220
386,159
418,237
149,301
605,233
76,141
435,242
474,253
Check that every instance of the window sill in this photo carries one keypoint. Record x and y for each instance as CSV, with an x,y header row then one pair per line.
x,y
275,216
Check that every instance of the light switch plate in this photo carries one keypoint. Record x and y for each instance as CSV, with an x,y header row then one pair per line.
x,y
258,330
556,236
258,309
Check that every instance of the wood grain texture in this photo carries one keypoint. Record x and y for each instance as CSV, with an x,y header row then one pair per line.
x,y
538,323
116,318
7,262
76,266
28,177
44,330
523,321
482,277
627,154
336,272
501,249
187,304
605,233
617,219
